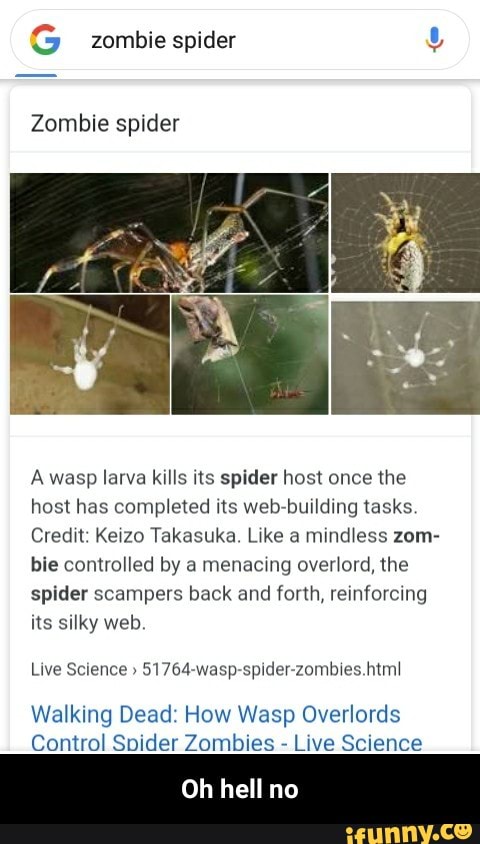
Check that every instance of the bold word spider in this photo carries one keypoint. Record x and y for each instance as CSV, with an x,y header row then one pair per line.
x,y
85,371
179,266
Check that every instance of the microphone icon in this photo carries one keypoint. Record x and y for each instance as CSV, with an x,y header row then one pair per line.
x,y
435,42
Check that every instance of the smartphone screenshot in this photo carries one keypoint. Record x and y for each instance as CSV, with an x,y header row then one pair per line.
x,y
243,367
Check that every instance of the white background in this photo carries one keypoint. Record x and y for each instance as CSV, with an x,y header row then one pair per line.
x,y
436,133
267,139
261,41
432,641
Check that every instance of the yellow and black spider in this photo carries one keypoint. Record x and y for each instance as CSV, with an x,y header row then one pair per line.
x,y
404,249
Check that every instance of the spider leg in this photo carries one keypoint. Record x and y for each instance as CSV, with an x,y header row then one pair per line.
x,y
388,201
116,269
60,267
135,278
67,370
418,334
171,280
261,192
137,268
90,254
396,369
199,206
432,379
393,220
267,246
97,358
141,227
80,344
400,347
387,222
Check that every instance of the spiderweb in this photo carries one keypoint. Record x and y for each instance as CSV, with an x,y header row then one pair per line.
x,y
57,216
283,346
407,357
449,221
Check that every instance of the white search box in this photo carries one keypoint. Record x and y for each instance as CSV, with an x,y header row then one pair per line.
x,y
240,40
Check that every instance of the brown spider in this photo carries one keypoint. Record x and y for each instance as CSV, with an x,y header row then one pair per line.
x,y
180,265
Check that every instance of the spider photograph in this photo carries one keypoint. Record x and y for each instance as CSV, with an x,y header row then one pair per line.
x,y
406,357
89,354
404,233
250,354
169,233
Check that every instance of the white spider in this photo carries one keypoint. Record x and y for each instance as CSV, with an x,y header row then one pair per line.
x,y
85,371
429,363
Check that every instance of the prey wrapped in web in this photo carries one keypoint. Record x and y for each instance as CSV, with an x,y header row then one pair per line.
x,y
208,319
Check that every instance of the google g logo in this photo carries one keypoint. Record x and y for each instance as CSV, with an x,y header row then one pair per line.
x,y
51,44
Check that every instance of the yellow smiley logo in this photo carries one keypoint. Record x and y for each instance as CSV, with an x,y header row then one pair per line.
x,y
462,831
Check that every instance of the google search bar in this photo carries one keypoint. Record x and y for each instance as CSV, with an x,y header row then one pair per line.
x,y
305,40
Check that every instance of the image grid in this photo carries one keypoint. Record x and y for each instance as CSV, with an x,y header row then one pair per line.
x,y
238,266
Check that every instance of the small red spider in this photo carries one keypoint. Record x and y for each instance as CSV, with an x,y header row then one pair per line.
x,y
278,392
